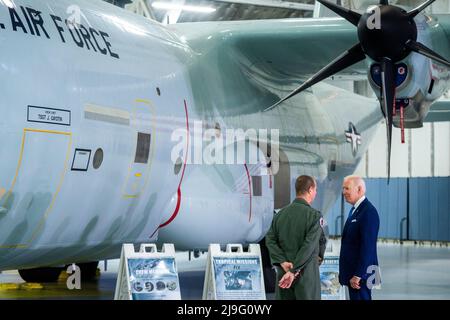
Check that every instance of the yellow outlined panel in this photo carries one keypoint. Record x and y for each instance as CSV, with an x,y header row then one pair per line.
x,y
133,178
62,174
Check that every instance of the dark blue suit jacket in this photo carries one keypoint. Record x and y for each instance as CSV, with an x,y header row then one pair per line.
x,y
359,243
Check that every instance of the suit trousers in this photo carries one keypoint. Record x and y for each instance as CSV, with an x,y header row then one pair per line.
x,y
363,293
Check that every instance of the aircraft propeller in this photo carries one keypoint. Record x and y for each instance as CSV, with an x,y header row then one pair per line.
x,y
388,42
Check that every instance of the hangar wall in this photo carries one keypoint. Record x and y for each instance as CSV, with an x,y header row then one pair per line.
x,y
416,203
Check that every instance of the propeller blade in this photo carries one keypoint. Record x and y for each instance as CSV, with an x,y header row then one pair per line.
x,y
427,52
416,11
348,58
385,2
388,91
349,15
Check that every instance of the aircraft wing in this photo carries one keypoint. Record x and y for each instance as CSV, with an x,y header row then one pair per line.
x,y
439,111
293,48
249,65
267,59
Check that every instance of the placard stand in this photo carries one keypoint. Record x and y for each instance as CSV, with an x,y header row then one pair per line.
x,y
234,274
147,274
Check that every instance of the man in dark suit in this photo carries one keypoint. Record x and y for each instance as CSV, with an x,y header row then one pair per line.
x,y
358,259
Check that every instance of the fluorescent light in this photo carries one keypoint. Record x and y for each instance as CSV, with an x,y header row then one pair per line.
x,y
8,3
172,6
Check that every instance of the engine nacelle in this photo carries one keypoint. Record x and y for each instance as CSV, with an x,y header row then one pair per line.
x,y
419,80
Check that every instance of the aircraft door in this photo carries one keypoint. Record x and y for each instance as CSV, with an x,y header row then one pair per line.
x,y
42,165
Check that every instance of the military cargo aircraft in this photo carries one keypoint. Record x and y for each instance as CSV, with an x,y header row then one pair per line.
x,y
106,121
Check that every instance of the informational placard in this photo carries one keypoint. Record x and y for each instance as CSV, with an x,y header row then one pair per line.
x,y
234,274
331,289
49,115
147,274
81,160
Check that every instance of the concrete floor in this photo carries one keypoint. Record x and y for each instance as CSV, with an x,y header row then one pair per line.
x,y
408,272
411,272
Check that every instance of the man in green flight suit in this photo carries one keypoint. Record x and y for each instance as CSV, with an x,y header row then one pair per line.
x,y
293,243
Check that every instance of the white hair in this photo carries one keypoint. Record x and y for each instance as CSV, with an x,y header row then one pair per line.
x,y
357,182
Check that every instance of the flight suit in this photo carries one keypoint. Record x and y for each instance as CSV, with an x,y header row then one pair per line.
x,y
294,237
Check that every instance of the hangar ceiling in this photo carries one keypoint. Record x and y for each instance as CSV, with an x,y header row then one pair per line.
x,y
257,9
235,10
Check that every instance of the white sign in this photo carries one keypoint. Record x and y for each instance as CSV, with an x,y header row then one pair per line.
x,y
147,274
81,160
48,115
234,274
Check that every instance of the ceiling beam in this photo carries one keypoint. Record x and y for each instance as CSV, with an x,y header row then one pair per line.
x,y
173,15
274,4
140,7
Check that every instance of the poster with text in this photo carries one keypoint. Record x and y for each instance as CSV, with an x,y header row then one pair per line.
x,y
153,279
238,278
329,279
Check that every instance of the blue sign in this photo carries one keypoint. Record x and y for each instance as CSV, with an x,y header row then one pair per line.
x,y
329,279
238,278
153,279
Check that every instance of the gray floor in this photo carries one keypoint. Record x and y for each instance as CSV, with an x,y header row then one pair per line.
x,y
408,272
411,272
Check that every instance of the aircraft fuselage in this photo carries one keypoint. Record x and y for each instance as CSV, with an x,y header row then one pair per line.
x,y
87,118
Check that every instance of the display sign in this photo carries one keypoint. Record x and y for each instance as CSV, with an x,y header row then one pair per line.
x,y
331,289
147,274
234,274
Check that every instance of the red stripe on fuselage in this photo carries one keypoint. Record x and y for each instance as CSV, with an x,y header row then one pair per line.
x,y
177,208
